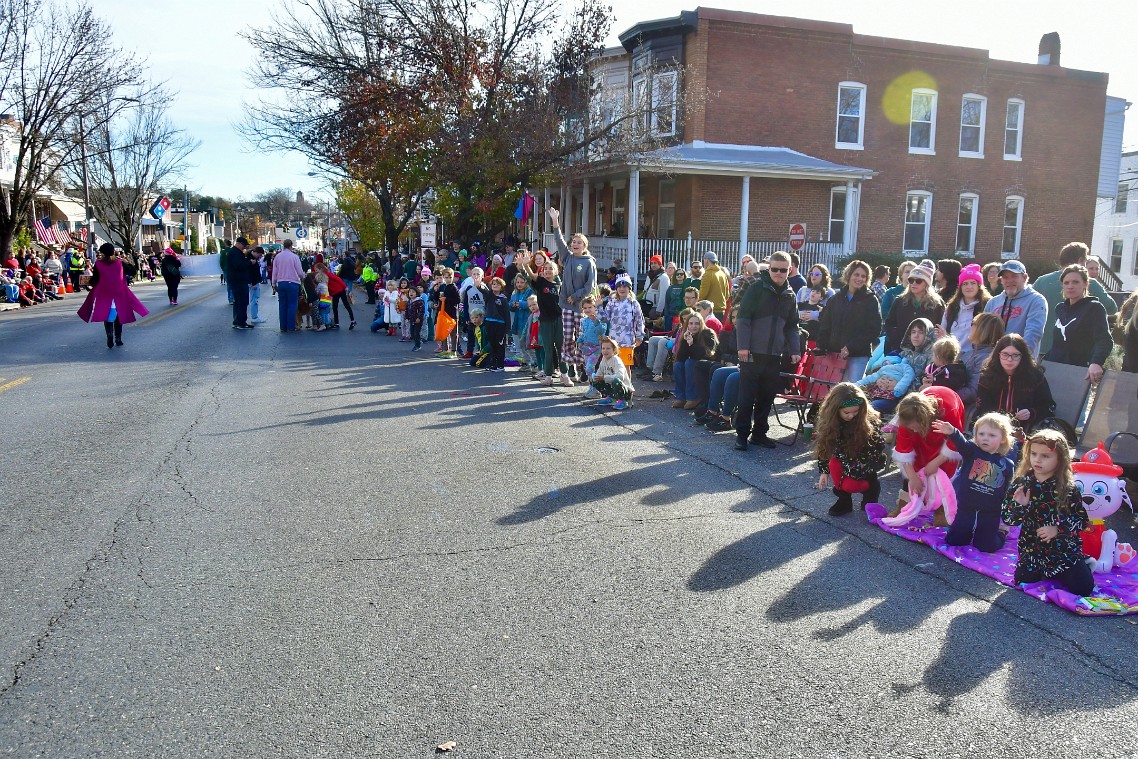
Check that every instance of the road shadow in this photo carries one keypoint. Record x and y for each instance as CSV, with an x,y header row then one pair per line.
x,y
760,552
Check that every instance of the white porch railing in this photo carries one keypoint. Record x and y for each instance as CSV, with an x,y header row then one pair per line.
x,y
684,250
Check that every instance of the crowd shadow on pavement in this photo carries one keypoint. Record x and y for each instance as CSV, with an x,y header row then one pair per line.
x,y
763,551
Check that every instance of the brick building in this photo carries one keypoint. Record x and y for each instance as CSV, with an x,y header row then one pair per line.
x,y
874,144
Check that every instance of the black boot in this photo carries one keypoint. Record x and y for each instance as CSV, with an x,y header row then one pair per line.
x,y
871,495
842,506
109,327
118,332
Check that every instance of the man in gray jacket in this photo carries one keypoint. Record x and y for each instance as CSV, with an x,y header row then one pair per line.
x,y
1021,309
766,330
578,279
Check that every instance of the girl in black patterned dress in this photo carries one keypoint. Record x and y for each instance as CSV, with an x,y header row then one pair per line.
x,y
1044,502
849,447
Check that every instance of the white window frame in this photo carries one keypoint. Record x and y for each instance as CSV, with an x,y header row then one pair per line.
x,y
1007,255
640,101
928,196
661,207
983,121
931,149
1018,155
860,144
1121,252
657,79
834,192
1122,197
1134,263
971,252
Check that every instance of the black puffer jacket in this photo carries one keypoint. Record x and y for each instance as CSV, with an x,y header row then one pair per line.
x,y
902,314
854,324
702,348
1009,394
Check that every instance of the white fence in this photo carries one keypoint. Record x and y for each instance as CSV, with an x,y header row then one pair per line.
x,y
201,266
684,250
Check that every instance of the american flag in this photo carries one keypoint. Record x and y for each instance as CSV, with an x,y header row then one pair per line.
x,y
44,231
62,236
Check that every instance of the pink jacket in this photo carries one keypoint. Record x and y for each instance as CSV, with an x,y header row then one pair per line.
x,y
111,289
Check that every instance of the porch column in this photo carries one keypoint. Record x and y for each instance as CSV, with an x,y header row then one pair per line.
x,y
585,208
544,219
847,225
744,217
633,262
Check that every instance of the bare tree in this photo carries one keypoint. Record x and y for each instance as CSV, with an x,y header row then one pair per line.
x,y
277,204
60,79
128,159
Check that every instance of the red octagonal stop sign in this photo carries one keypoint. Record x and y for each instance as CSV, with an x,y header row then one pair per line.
x,y
797,237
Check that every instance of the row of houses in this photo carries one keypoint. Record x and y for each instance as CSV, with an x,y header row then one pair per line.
x,y
871,144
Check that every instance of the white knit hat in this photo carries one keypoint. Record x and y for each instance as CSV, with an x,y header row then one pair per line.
x,y
922,272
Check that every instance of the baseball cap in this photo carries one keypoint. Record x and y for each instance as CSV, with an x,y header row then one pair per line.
x,y
710,256
1013,266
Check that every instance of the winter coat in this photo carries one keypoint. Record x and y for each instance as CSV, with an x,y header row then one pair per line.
x,y
904,311
918,358
973,361
391,312
1011,393
109,289
954,376
1080,333
702,348
961,326
715,286
853,324
895,368
918,451
768,320
625,320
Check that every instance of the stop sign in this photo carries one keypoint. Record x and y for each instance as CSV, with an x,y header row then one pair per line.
x,y
797,237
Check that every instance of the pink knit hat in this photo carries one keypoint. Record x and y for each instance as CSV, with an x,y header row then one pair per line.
x,y
971,272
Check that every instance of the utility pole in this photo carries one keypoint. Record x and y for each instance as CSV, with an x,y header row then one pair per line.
x,y
86,189
186,247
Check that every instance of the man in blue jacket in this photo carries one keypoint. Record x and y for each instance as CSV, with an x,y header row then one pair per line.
x,y
1019,306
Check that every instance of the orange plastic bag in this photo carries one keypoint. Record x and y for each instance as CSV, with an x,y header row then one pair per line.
x,y
444,322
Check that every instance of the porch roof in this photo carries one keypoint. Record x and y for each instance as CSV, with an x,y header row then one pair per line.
x,y
700,157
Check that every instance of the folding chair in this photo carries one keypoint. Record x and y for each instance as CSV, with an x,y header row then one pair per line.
x,y
1114,410
1070,388
809,386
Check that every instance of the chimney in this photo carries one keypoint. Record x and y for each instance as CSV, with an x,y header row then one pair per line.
x,y
1049,49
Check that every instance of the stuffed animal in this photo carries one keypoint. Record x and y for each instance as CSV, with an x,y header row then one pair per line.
x,y
1103,493
938,492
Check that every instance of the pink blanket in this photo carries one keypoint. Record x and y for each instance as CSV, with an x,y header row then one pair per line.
x,y
1115,592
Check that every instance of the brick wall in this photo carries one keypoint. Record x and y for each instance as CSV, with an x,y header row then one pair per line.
x,y
777,85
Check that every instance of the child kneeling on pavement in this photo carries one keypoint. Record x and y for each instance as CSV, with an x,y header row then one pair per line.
x,y
610,378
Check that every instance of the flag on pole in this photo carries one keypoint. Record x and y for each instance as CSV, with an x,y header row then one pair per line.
x,y
525,207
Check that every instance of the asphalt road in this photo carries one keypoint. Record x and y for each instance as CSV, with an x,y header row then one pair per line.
x,y
244,544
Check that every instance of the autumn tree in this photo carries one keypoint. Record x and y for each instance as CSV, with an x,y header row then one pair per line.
x,y
364,213
61,79
462,96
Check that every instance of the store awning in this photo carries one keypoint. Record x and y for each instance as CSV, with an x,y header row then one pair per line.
x,y
70,209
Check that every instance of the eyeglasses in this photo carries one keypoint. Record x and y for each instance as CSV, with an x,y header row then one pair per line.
x,y
815,274
1011,356
778,271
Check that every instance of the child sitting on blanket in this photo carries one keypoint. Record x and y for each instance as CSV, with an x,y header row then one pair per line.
x,y
611,378
919,446
1047,506
888,384
849,447
981,481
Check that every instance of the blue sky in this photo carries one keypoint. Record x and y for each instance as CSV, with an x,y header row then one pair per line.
x,y
196,49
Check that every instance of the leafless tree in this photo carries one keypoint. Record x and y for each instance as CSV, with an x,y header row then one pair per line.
x,y
277,204
128,159
61,78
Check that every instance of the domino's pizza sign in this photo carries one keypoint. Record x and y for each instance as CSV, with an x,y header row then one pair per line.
x,y
160,207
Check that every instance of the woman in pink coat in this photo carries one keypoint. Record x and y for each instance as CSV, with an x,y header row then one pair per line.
x,y
110,301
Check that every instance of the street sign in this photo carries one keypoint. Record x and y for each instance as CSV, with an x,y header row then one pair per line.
x,y
428,234
301,233
797,237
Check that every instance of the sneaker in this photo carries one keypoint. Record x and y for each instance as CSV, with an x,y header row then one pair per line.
x,y
605,402
690,405
417,347
547,381
718,424
657,377
764,442
352,325
740,443
678,404
565,381
257,321
591,393
539,375
498,369
173,302
621,405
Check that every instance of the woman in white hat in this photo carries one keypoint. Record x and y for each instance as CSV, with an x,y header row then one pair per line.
x,y
918,301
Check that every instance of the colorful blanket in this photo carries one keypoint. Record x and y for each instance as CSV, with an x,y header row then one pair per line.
x,y
1115,592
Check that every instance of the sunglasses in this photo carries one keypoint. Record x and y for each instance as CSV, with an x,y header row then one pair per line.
x,y
1042,440
778,271
916,281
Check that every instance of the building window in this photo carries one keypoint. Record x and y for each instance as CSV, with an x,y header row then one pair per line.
x,y
851,116
1122,198
973,111
664,104
1013,227
619,195
1116,255
640,101
966,225
918,208
1134,263
922,122
666,211
837,214
1013,131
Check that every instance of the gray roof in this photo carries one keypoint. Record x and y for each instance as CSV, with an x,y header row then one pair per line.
x,y
753,160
